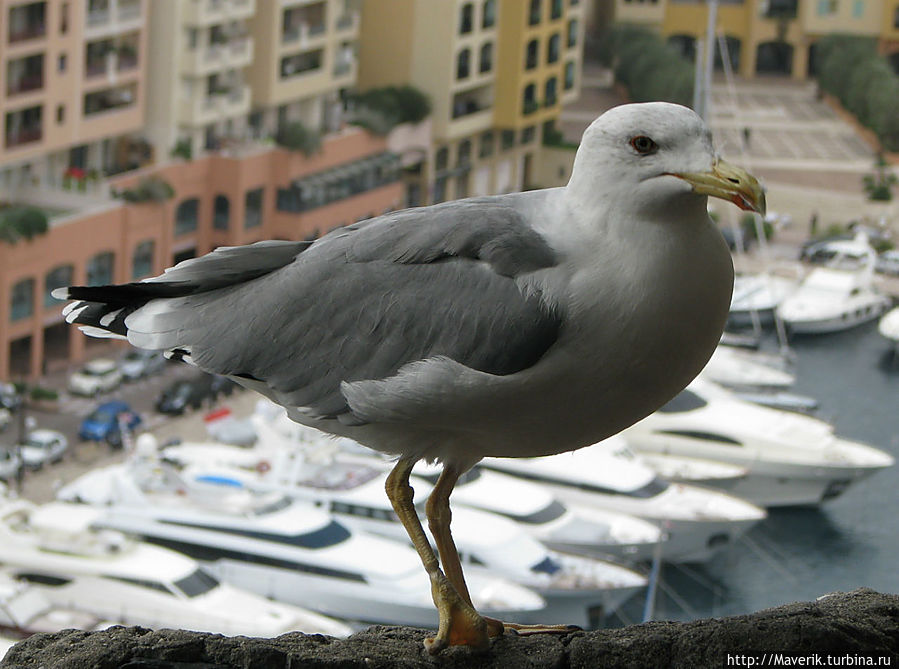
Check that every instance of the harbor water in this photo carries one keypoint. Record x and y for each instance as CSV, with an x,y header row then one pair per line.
x,y
799,554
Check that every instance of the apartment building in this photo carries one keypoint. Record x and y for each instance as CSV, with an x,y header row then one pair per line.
x,y
105,98
768,36
496,71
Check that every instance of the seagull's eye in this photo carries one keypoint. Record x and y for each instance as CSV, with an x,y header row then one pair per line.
x,y
643,144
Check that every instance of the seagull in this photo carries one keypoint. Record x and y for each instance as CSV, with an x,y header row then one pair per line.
x,y
516,325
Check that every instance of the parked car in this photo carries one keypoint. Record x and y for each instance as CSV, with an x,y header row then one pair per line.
x,y
138,363
192,393
888,262
9,398
95,377
103,422
10,465
41,446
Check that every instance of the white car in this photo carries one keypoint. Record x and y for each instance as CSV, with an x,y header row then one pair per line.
x,y
42,446
10,464
888,262
138,363
95,377
4,418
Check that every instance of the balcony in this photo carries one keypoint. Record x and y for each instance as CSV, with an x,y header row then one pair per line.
x,y
110,99
23,127
303,33
216,105
780,9
27,22
208,12
25,74
235,53
110,17
348,21
301,63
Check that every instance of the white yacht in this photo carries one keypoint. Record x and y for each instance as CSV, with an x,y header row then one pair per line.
x,y
839,295
699,522
756,296
743,369
354,494
791,459
319,471
6,642
24,610
281,549
889,326
119,579
695,471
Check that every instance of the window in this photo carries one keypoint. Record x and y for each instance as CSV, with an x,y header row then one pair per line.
x,y
253,208
572,33
528,134
486,144
534,13
463,64
507,139
60,114
441,159
100,269
61,62
529,99
466,19
488,19
64,18
463,153
221,212
486,58
552,48
142,260
550,89
25,74
530,58
702,436
686,401
555,11
569,75
827,7
22,300
197,583
58,277
301,63
27,22
186,216
24,127
858,9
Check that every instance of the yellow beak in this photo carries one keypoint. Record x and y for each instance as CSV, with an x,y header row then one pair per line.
x,y
730,183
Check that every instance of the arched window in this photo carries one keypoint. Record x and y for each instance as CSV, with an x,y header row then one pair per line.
x,y
530,58
569,75
555,9
58,277
572,33
22,300
488,19
529,100
466,19
253,208
486,59
550,90
142,260
552,49
534,13
221,212
100,269
463,64
186,216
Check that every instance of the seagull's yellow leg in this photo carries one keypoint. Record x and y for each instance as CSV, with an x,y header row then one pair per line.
x,y
439,518
459,623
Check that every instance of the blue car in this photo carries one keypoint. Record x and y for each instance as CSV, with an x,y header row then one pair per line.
x,y
103,423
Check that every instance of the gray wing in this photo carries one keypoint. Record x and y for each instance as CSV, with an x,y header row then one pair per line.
x,y
365,300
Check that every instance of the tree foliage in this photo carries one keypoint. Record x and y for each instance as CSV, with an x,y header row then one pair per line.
x,y
850,69
649,68
149,189
22,222
297,137
381,109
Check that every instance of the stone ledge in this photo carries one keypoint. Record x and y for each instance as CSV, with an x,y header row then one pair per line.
x,y
861,622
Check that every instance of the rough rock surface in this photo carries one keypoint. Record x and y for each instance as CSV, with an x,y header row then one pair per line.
x,y
858,623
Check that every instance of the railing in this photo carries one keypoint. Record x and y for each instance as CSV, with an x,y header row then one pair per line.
x,y
32,31
25,84
24,136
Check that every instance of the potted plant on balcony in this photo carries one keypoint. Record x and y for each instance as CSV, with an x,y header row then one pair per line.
x,y
73,177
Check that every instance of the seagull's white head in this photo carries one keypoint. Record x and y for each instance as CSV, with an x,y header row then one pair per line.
x,y
655,158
